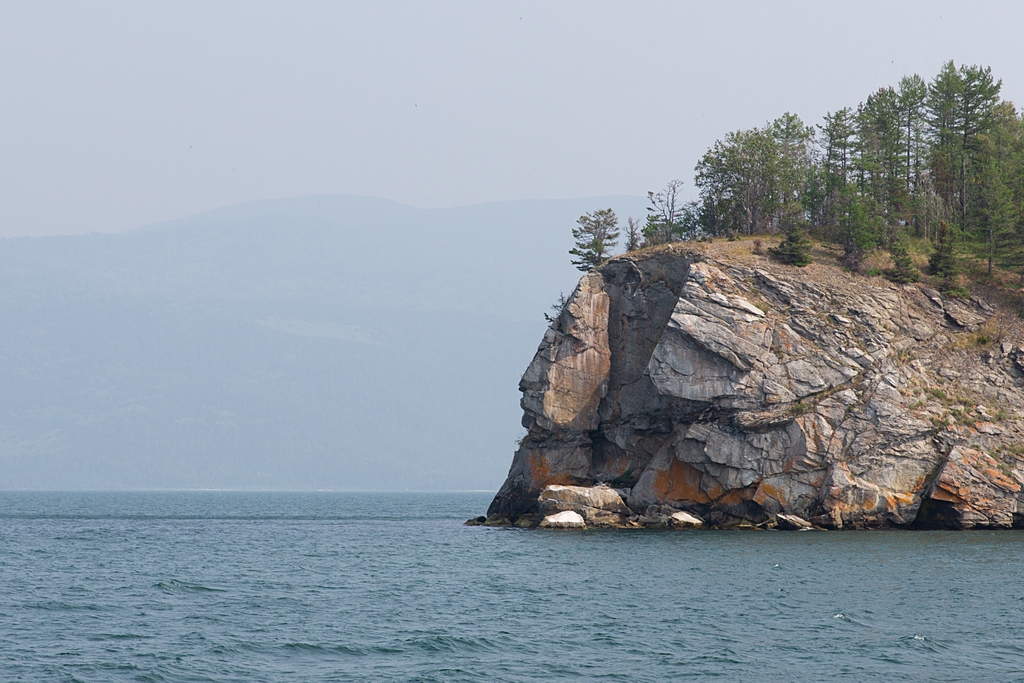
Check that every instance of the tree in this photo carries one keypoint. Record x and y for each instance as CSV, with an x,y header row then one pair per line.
x,y
941,104
836,143
943,259
557,307
735,180
795,248
975,117
860,228
633,234
903,270
747,180
879,159
997,210
961,104
910,102
595,237
665,214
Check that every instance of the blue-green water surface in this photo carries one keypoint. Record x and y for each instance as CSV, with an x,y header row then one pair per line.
x,y
391,587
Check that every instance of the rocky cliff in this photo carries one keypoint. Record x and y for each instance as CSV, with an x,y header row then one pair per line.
x,y
708,380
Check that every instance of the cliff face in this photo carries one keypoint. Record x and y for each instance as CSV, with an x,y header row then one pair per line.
x,y
739,390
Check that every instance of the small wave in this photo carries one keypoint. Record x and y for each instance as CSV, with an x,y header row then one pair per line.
x,y
326,649
176,586
923,643
441,643
117,636
63,606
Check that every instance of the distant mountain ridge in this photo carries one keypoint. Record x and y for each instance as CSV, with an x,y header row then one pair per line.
x,y
315,342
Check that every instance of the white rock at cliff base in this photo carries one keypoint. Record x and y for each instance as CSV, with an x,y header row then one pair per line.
x,y
792,522
599,497
684,520
563,520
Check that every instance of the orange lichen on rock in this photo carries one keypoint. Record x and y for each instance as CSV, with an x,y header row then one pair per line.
x,y
973,483
765,491
737,496
680,481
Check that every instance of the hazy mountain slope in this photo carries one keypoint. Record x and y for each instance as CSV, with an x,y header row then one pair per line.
x,y
337,342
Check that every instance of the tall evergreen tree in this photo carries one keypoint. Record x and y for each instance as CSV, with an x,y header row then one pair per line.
x,y
942,103
910,99
836,142
880,158
961,104
943,261
596,235
860,228
634,237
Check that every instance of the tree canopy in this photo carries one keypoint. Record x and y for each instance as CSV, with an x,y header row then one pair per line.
x,y
940,162
596,235
893,167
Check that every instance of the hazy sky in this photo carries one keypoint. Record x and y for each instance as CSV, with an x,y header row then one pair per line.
x,y
115,115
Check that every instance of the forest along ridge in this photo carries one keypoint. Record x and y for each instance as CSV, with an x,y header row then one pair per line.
x,y
700,383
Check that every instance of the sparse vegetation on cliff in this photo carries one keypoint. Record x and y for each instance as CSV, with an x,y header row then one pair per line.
x,y
596,234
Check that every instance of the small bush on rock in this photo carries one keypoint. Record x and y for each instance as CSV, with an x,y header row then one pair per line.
x,y
903,270
795,249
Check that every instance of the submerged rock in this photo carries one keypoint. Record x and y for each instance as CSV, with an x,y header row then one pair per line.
x,y
740,391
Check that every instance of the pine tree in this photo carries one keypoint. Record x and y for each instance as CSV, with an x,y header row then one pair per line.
x,y
943,260
634,237
795,248
904,270
912,93
557,307
595,237
836,141
859,228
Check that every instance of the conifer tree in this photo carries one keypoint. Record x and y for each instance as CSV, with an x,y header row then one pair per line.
x,y
859,228
943,260
904,270
634,238
596,236
795,248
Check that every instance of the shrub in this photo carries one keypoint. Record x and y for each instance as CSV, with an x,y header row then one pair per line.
x,y
795,249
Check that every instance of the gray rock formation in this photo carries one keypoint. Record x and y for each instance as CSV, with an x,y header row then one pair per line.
x,y
597,505
738,390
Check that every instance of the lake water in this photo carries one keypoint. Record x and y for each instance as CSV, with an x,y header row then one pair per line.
x,y
391,587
